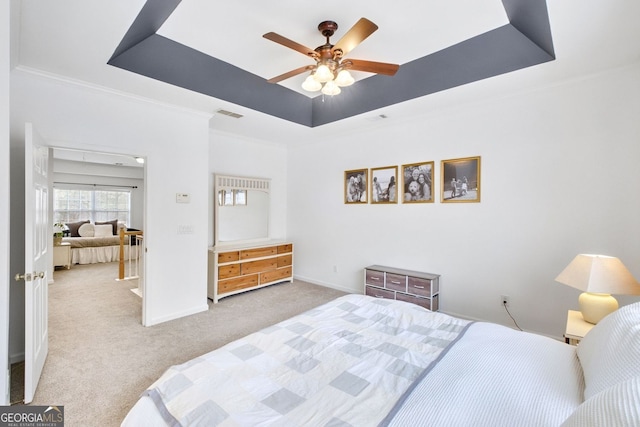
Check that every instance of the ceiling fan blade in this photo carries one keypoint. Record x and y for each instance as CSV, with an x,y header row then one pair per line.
x,y
371,66
290,44
290,74
356,34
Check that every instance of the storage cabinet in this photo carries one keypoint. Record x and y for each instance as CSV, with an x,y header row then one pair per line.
x,y
62,255
404,285
235,269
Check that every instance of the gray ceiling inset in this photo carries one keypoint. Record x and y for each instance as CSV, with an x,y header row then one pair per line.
x,y
524,42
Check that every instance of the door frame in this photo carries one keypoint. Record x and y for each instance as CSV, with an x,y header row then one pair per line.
x,y
142,279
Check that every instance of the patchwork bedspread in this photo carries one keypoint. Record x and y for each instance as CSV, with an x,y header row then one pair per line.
x,y
344,363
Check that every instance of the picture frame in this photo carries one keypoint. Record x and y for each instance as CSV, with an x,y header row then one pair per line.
x,y
460,182
355,186
384,187
417,182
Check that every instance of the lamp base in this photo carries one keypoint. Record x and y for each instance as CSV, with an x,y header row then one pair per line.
x,y
594,307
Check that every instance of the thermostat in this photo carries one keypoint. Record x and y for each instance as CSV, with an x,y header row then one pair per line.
x,y
182,198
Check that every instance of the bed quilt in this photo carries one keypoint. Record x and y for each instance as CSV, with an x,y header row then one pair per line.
x,y
344,363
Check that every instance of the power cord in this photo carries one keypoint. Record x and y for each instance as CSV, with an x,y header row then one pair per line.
x,y
504,304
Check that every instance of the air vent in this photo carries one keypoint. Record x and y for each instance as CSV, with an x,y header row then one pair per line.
x,y
229,113
378,117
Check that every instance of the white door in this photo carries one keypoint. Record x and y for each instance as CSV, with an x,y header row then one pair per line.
x,y
36,235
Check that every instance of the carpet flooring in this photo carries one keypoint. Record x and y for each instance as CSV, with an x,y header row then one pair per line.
x,y
101,358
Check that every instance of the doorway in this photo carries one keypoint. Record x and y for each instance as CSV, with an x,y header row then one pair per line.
x,y
96,171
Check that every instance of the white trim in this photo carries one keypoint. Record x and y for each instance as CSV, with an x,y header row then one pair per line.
x,y
177,315
97,88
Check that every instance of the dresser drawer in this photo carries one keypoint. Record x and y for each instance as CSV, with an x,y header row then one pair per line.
x,y
375,278
428,303
372,291
258,252
396,282
272,276
237,283
228,257
258,266
420,286
284,260
285,249
227,271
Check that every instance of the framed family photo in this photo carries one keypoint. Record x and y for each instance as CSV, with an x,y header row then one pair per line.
x,y
460,181
417,183
355,186
383,184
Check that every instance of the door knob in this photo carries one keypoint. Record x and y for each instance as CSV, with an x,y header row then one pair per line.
x,y
26,277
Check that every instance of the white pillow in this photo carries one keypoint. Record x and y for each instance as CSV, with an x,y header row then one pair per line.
x,y
610,352
617,406
103,230
86,230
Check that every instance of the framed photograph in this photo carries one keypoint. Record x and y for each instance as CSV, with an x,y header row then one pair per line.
x,y
355,186
417,183
461,180
383,185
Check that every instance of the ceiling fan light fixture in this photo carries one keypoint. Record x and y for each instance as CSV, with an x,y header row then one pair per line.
x,y
331,88
310,84
344,78
323,73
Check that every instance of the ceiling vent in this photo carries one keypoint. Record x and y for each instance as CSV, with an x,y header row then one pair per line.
x,y
378,117
229,113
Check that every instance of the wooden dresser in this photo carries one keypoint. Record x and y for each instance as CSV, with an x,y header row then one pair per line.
x,y
404,285
241,268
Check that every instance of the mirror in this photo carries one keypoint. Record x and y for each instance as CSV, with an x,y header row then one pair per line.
x,y
241,209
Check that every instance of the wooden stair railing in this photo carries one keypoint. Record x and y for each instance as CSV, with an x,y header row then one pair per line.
x,y
121,267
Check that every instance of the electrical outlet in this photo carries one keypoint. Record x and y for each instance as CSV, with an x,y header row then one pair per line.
x,y
504,299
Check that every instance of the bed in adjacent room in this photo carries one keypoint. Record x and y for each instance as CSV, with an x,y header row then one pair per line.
x,y
97,242
362,361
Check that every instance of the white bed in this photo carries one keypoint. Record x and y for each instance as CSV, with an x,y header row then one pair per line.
x,y
361,361
97,243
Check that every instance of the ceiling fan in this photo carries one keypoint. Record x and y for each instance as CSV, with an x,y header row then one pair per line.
x,y
331,69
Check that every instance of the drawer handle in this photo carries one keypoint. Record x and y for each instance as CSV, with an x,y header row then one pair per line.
x,y
418,287
395,282
379,296
375,278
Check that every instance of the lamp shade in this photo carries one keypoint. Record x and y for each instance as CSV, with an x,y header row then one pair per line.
x,y
599,274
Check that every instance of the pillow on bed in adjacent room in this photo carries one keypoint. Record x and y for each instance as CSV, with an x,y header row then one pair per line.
x,y
610,352
114,226
74,226
86,230
104,230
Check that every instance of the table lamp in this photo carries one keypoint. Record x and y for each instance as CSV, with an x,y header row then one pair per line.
x,y
598,276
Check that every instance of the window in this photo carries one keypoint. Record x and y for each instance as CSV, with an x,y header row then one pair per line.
x,y
71,205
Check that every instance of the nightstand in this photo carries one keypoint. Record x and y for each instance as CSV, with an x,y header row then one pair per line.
x,y
577,327
62,255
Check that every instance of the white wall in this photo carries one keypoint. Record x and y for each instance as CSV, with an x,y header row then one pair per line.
x,y
232,155
559,177
175,144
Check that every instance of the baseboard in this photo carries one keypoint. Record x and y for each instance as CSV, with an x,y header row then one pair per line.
x,y
178,315
16,358
326,285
